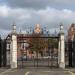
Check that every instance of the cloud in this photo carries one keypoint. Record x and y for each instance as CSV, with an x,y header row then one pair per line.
x,y
25,18
3,11
8,15
39,4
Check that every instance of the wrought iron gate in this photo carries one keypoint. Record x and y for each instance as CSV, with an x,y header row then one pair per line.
x,y
2,53
4,59
71,51
37,51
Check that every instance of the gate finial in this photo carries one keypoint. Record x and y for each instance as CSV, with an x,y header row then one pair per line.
x,y
61,28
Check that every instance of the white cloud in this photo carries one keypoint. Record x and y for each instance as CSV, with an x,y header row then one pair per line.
x,y
4,11
50,17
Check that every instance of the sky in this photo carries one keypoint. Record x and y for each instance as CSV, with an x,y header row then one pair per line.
x,y
27,13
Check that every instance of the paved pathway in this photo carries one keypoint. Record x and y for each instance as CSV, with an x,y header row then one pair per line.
x,y
37,71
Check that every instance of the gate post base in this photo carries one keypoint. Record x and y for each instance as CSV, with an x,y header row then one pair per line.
x,y
13,65
62,65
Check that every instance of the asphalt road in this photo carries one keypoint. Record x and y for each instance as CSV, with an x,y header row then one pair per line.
x,y
36,71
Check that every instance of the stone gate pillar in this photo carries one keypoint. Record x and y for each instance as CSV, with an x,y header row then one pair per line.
x,y
61,51
13,51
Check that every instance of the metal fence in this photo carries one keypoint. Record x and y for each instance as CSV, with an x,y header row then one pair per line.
x,y
37,51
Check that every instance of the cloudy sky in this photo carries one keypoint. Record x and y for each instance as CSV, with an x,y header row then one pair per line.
x,y
27,13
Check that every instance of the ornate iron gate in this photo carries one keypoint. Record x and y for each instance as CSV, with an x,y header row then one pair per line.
x,y
4,59
38,51
71,51
2,53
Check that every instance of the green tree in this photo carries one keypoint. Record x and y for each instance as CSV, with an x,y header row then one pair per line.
x,y
38,43
53,42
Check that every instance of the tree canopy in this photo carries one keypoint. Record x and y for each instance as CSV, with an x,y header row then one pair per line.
x,y
38,43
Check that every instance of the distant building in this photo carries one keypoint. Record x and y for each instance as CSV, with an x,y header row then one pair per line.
x,y
71,32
